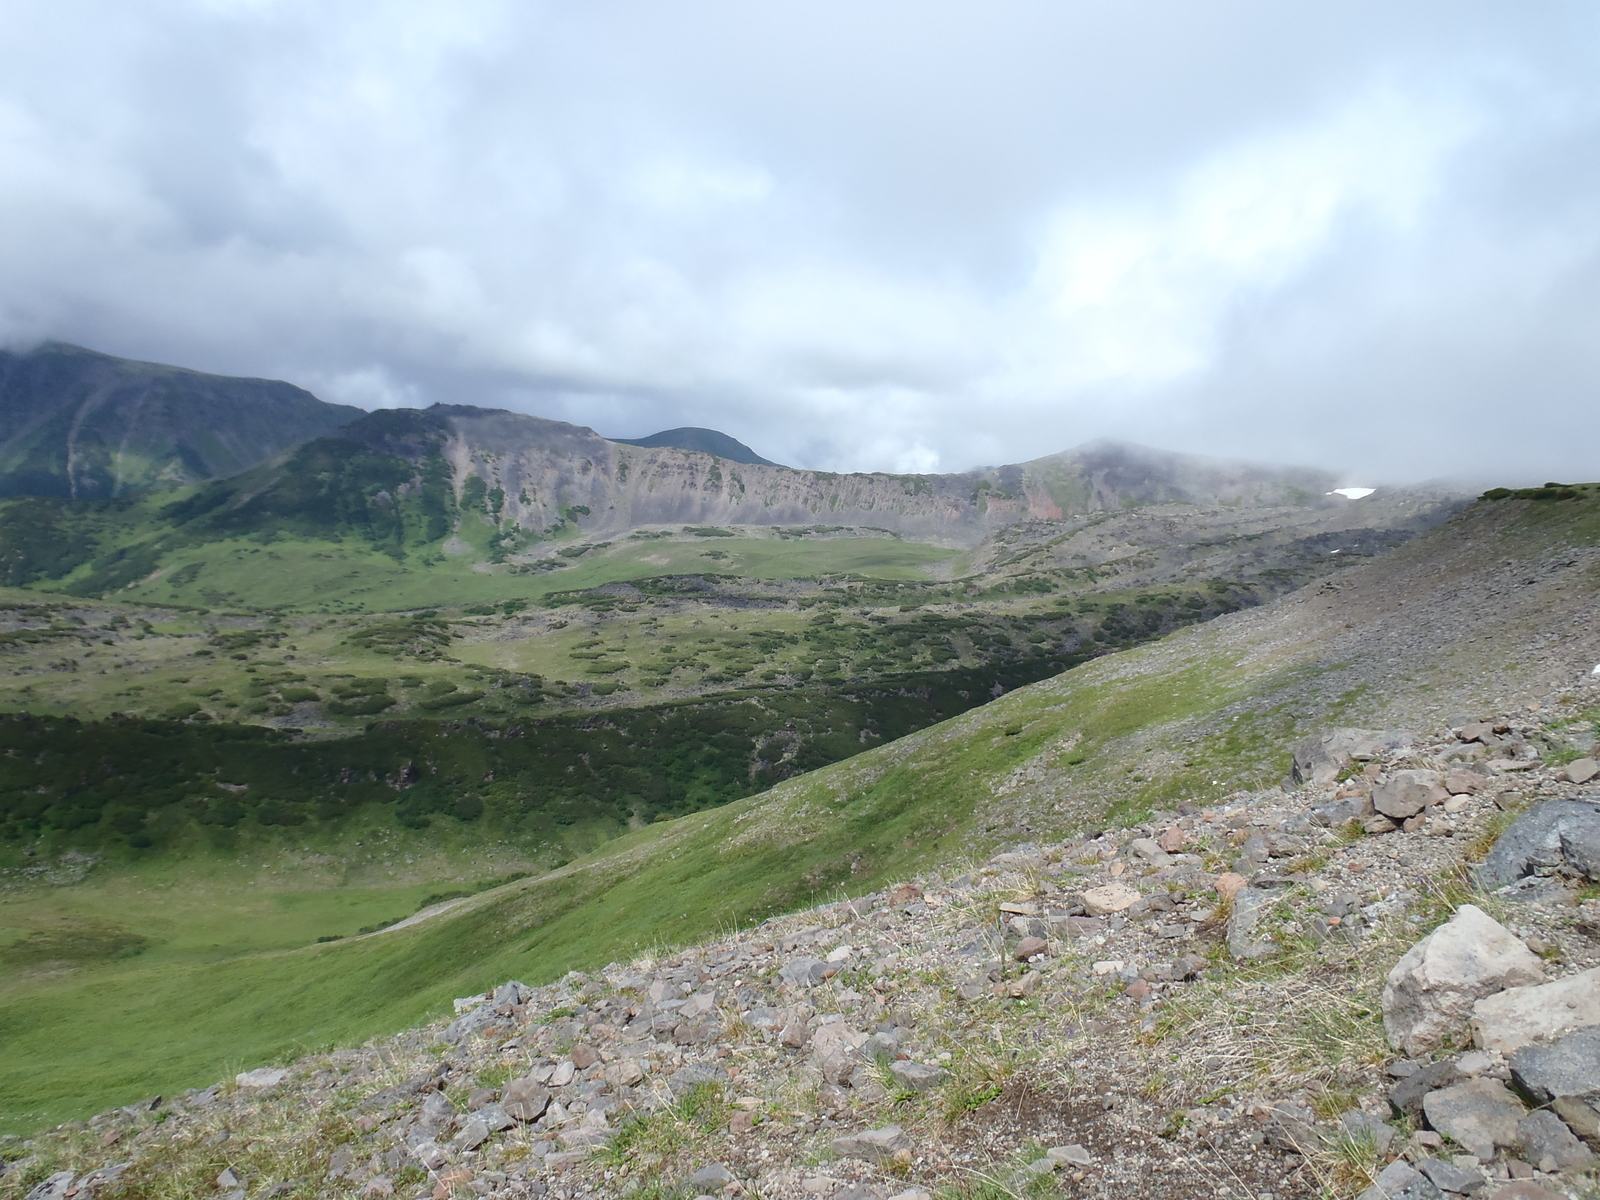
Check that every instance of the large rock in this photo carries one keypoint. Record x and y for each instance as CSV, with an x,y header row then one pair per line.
x,y
1555,834
1108,899
1405,794
1570,1067
524,1099
1431,991
1322,758
1525,1016
873,1145
1480,1115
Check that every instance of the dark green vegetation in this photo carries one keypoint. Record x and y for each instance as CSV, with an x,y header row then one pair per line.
x,y
706,441
153,783
78,424
1549,491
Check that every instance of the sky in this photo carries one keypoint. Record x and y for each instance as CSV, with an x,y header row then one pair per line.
x,y
909,235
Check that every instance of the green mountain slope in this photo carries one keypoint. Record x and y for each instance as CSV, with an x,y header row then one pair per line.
x,y
1457,620
75,423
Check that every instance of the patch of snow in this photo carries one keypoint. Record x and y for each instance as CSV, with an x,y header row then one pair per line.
x,y
1352,493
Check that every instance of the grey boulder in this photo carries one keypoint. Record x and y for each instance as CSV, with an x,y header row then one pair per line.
x,y
1557,833
1480,1114
1570,1067
1549,1145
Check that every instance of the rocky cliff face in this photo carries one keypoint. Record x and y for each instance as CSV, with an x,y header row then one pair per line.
x,y
543,473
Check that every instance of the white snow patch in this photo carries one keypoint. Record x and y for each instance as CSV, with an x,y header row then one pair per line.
x,y
1352,493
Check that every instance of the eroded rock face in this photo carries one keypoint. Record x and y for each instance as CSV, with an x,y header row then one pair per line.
x,y
1431,991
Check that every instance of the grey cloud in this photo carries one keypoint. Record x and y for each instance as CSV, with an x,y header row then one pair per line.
x,y
896,236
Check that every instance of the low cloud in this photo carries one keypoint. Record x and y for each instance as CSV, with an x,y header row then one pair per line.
x,y
912,238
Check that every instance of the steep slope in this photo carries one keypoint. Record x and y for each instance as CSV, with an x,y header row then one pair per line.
x,y
1493,612
706,441
84,425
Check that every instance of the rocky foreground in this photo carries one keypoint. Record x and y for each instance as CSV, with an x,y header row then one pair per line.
x,y
1382,980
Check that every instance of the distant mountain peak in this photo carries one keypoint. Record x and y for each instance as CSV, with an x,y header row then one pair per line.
x,y
706,441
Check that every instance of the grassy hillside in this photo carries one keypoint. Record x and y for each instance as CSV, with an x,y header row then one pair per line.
x,y
1188,718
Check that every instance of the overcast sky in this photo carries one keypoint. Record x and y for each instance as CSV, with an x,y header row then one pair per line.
x,y
915,235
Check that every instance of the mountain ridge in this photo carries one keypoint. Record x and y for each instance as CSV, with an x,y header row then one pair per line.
x,y
539,478
79,424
